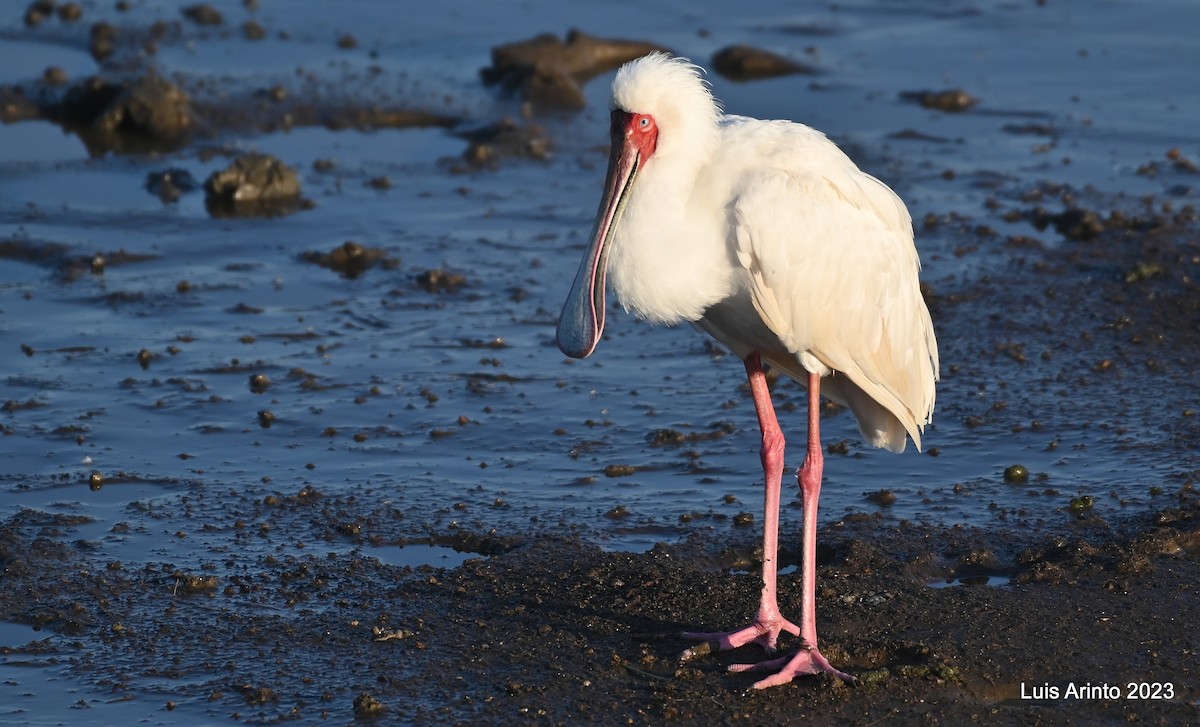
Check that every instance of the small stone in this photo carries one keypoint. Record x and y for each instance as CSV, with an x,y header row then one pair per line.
x,y
617,513
102,41
883,498
1016,474
70,12
950,101
55,76
203,14
251,30
366,706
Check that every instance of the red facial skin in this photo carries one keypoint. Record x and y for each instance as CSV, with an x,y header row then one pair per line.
x,y
639,130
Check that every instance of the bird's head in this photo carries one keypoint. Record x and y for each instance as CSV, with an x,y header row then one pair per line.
x,y
662,105
663,116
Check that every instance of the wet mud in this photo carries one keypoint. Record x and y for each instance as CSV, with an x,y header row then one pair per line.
x,y
333,541
130,108
559,632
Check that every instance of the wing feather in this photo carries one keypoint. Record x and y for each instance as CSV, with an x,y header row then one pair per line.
x,y
833,272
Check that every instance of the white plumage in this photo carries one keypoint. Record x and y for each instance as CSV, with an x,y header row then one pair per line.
x,y
768,237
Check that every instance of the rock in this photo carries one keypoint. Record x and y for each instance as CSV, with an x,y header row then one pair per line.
x,y
368,707
503,139
102,41
350,259
15,105
746,63
55,76
619,470
949,101
550,72
170,184
1016,474
437,280
252,30
38,11
70,12
202,14
142,115
1078,224
883,498
254,185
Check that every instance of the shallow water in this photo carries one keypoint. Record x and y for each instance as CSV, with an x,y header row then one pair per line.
x,y
471,420
190,418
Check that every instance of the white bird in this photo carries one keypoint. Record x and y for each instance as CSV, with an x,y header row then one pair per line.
x,y
766,236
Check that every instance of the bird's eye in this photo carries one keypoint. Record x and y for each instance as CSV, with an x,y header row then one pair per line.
x,y
645,122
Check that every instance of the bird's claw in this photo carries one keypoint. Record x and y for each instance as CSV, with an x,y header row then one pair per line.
x,y
764,633
806,660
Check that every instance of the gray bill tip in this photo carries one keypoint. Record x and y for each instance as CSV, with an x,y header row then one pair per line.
x,y
580,323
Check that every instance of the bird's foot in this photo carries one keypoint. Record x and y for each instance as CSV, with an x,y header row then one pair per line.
x,y
806,660
764,632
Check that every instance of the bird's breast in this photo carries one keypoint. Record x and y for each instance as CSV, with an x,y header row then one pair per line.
x,y
669,263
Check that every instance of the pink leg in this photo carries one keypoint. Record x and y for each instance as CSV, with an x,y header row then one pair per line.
x,y
769,622
767,625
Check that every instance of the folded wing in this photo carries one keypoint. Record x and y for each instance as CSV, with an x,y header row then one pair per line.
x,y
833,273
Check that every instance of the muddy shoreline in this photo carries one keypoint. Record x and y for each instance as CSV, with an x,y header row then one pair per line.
x,y
559,632
246,573
554,630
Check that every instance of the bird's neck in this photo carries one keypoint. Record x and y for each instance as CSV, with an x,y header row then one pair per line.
x,y
669,260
